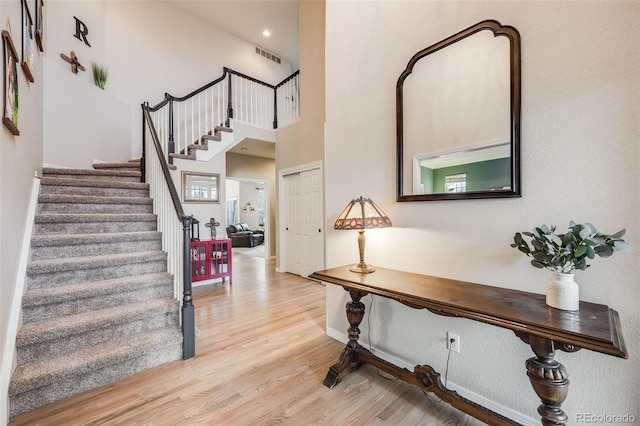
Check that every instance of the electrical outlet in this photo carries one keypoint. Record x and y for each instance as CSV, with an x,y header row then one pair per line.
x,y
453,342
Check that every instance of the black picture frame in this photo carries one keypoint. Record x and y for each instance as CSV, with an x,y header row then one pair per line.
x,y
10,60
40,24
28,42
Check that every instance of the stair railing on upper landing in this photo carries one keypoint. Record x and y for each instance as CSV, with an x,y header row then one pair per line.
x,y
175,123
183,121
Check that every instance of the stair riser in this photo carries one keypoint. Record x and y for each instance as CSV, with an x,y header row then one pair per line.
x,y
127,168
78,306
91,190
94,177
57,278
94,208
93,227
72,385
78,250
66,344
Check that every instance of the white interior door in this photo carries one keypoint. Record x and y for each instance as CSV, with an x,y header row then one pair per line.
x,y
304,225
293,225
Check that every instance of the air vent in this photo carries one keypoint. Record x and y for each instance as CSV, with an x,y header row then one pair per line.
x,y
268,55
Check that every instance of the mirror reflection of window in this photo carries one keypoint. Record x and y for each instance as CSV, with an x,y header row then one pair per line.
x,y
232,210
261,214
200,187
455,183
199,192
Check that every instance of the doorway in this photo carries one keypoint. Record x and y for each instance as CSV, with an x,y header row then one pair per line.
x,y
246,202
301,211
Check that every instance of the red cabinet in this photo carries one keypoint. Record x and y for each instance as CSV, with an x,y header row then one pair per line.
x,y
210,259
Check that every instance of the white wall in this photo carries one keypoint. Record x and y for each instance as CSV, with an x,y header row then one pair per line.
x,y
580,112
249,194
147,54
83,123
171,51
20,159
95,126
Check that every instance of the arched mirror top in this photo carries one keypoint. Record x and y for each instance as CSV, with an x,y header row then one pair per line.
x,y
458,117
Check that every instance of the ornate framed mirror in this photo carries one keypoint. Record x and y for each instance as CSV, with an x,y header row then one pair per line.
x,y
458,117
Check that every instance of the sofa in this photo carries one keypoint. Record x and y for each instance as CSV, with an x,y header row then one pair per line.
x,y
242,236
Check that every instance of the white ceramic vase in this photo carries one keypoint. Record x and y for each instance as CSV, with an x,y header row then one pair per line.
x,y
563,292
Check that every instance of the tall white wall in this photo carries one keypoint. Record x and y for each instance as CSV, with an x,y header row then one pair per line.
x,y
580,113
83,123
20,159
157,48
149,48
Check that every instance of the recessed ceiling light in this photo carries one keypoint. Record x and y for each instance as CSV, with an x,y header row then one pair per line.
x,y
266,33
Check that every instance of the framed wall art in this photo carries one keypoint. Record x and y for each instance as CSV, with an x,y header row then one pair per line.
x,y
10,59
28,41
40,24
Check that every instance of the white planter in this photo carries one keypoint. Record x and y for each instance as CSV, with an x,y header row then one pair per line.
x,y
563,292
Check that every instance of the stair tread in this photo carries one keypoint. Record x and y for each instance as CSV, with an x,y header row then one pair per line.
x,y
40,331
224,129
89,172
128,165
183,156
77,239
91,262
197,146
93,217
46,371
51,295
96,183
92,199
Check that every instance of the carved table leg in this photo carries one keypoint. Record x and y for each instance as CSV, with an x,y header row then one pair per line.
x,y
549,379
348,361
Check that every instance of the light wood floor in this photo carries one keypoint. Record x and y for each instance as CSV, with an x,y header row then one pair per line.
x,y
261,356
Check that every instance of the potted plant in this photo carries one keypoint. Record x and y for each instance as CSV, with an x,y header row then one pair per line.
x,y
562,254
100,75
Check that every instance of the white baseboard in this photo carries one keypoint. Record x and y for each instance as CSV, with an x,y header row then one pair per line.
x,y
468,394
9,355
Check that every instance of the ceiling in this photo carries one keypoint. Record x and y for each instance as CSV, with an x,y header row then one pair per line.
x,y
247,19
256,148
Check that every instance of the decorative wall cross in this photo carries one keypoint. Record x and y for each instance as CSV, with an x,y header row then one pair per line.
x,y
212,224
73,60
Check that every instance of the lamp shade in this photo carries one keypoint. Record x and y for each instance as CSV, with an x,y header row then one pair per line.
x,y
362,213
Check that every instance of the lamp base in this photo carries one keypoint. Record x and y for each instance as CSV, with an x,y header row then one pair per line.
x,y
362,268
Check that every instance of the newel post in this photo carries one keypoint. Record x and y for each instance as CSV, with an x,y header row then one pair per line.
x,y
188,314
229,102
143,159
275,108
171,148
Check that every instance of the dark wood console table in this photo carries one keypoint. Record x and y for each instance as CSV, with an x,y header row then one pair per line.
x,y
594,327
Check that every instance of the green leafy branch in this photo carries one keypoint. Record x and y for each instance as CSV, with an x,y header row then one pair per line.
x,y
564,253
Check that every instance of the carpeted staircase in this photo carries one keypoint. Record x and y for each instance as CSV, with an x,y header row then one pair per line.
x,y
99,303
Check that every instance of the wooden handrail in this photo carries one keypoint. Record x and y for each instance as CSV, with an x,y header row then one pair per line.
x,y
163,164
